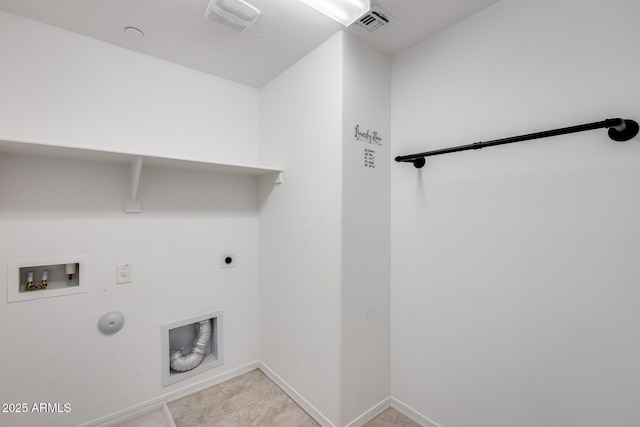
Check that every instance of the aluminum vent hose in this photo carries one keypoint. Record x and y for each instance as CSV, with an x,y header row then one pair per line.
x,y
185,362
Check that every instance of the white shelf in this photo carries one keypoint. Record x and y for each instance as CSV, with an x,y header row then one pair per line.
x,y
136,160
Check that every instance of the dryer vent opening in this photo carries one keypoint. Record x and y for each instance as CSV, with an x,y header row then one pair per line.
x,y
191,346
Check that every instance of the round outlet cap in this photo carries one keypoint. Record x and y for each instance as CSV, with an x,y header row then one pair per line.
x,y
110,323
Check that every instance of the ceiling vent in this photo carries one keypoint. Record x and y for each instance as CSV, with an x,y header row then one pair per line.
x,y
375,20
236,15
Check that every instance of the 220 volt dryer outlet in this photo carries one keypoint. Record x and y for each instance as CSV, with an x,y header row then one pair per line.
x,y
228,260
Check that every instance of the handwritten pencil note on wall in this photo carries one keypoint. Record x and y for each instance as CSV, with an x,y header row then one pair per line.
x,y
370,138
369,158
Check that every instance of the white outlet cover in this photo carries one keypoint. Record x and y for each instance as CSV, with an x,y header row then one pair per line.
x,y
123,273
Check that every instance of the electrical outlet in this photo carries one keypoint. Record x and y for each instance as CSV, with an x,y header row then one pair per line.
x,y
228,260
123,273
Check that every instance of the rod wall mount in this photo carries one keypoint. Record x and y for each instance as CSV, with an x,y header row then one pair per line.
x,y
419,163
624,132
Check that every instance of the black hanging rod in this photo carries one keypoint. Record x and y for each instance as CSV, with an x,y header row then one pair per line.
x,y
619,130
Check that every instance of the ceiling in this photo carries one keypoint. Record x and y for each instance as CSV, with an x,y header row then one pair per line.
x,y
177,31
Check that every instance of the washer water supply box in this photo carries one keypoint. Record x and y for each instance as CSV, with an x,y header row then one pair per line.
x,y
46,277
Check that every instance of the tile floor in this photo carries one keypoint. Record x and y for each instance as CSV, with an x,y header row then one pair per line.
x,y
254,400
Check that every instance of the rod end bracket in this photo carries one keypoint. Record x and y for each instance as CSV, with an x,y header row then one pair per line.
x,y
419,163
624,132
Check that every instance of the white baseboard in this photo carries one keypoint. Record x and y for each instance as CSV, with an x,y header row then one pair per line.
x,y
412,413
133,412
296,397
136,411
371,413
389,402
167,415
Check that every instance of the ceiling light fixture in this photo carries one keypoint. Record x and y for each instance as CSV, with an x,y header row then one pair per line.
x,y
344,11
236,15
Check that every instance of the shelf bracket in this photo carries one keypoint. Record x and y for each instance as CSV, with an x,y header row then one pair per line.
x,y
271,178
133,205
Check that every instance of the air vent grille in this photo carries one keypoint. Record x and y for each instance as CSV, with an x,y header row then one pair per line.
x,y
375,19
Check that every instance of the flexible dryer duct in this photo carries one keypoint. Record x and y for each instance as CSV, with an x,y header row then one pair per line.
x,y
185,362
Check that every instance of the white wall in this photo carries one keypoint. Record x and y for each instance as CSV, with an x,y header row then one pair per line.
x,y
61,87
324,233
514,269
365,230
69,89
300,227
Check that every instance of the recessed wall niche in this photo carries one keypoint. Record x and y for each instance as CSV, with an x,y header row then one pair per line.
x,y
31,279
182,335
